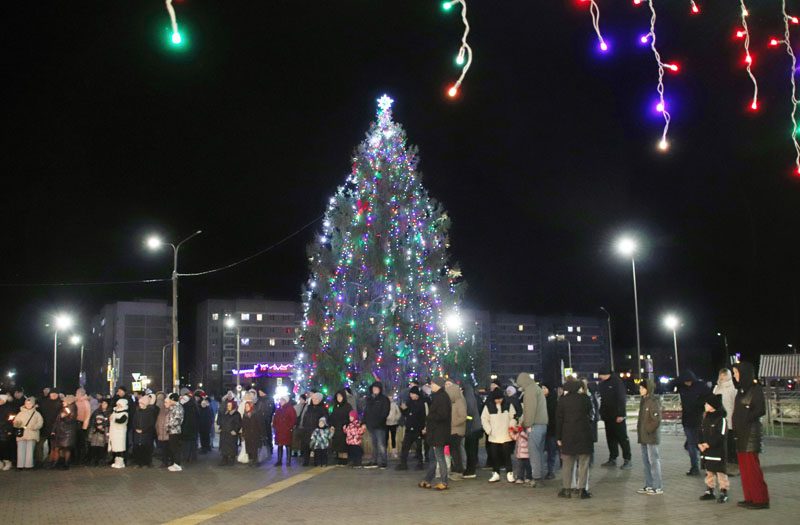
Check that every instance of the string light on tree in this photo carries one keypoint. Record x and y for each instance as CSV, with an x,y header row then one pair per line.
x,y
695,9
464,56
787,43
176,35
594,11
744,33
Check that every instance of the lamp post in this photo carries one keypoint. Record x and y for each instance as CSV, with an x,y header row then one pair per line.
x,y
62,322
154,243
627,247
672,322
725,344
610,345
163,350
231,323
76,340
561,337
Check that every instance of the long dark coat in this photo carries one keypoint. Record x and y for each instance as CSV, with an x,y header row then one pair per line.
x,y
573,421
252,428
229,422
437,424
65,428
339,418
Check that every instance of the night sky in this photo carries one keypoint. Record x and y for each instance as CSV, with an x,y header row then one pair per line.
x,y
548,154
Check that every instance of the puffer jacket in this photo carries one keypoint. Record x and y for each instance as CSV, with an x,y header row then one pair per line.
x,y
174,419
748,410
713,432
118,426
534,404
31,420
496,423
98,429
65,430
649,422
377,409
458,412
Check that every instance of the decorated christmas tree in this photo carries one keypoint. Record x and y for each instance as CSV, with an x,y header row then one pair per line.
x,y
382,300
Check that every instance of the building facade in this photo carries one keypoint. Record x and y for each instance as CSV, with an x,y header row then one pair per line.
x,y
267,337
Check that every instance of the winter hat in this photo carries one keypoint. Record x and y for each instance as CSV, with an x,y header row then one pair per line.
x,y
715,400
354,414
604,371
496,394
122,403
185,391
414,390
316,396
184,399
285,398
439,381
174,397
199,393
510,391
323,422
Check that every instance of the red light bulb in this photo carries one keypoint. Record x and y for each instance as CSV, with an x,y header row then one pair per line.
x,y
452,92
748,59
773,42
695,9
754,105
740,34
637,2
672,67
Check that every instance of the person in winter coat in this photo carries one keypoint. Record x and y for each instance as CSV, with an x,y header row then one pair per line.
x,y
189,428
7,442
648,430
520,436
392,422
498,418
747,412
354,431
727,390
265,409
376,411
474,431
162,435
534,417
550,445
205,421
32,421
118,432
230,424
321,441
252,427
574,437
458,427
693,394
284,422
174,424
713,442
313,410
414,412
65,433
339,418
437,433
98,434
248,397
144,431
49,408
613,413
83,413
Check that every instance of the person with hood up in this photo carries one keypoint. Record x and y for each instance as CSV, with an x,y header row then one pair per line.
x,y
174,424
498,418
747,412
392,422
339,418
31,421
437,433
265,409
118,432
284,423
727,390
205,421
550,445
414,412
7,433
249,396
648,429
534,418
313,410
474,431
354,432
574,437
98,434
321,441
693,394
252,427
230,424
458,427
144,431
188,427
713,442
613,399
376,411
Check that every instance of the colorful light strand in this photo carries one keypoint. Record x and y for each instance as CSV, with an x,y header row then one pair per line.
x,y
787,42
176,36
464,56
748,58
594,10
695,9
661,106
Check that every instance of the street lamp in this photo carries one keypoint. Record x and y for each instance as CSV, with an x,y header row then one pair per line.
x,y
672,322
231,323
725,344
163,350
155,243
610,345
61,322
561,337
76,340
452,322
627,247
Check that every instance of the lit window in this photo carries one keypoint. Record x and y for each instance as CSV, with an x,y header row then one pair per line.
x,y
520,328
245,317
272,342
215,317
259,317
246,341
214,367
569,329
579,329
530,348
579,339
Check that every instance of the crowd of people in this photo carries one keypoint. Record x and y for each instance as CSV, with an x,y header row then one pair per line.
x,y
530,430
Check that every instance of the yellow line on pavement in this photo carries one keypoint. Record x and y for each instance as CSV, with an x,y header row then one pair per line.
x,y
246,499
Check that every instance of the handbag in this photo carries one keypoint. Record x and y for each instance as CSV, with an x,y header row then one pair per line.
x,y
19,432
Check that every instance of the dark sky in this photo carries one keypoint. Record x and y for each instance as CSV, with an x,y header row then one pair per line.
x,y
546,157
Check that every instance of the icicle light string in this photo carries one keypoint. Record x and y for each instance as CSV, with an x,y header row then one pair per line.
x,y
464,56
176,36
594,10
787,19
695,7
748,58
661,107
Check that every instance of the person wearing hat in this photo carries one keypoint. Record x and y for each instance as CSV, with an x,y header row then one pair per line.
x,y
534,418
437,433
98,434
174,422
748,410
613,399
284,423
321,441
205,420
313,410
65,433
713,444
497,417
414,412
265,409
188,427
340,417
29,419
144,431
49,408
118,432
230,426
252,428
376,410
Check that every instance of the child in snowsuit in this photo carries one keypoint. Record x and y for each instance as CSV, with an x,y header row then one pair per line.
x,y
354,431
320,441
713,448
118,432
524,472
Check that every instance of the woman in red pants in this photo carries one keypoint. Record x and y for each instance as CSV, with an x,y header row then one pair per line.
x,y
747,412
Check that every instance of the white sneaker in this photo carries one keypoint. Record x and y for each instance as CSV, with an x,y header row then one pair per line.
x,y
510,477
6,465
655,492
644,490
174,468
495,477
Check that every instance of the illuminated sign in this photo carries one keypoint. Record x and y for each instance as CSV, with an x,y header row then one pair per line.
x,y
266,370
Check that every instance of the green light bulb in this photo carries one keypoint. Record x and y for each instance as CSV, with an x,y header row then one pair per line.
x,y
446,6
176,38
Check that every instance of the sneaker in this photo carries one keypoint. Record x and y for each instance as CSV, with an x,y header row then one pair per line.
x,y
708,495
656,492
644,490
382,467
371,465
455,476
470,476
565,493
510,477
585,494
520,481
723,496
174,468
626,465
495,477
609,463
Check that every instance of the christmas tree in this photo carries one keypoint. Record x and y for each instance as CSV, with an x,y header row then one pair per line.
x,y
382,300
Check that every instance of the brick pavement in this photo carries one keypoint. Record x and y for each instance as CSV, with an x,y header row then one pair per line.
x,y
342,495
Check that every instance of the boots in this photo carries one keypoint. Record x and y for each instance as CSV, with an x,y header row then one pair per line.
x,y
279,460
118,463
708,495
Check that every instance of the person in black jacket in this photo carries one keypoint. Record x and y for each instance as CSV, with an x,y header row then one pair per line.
x,y
376,411
713,447
7,437
747,412
474,430
693,394
49,407
205,420
313,410
339,418
550,444
437,433
574,437
613,413
265,409
414,412
189,428
144,431
230,426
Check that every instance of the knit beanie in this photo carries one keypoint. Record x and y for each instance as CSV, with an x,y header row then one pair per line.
x,y
353,414
439,381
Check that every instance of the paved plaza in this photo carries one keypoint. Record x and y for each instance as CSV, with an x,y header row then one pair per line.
x,y
206,493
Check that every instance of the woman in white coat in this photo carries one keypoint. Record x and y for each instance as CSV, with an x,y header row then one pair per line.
x,y
118,433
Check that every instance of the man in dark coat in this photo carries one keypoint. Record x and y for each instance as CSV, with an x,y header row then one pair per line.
x,y
376,411
414,412
313,410
693,394
748,409
474,430
550,445
205,421
144,431
49,407
189,428
437,433
613,413
265,409
574,437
